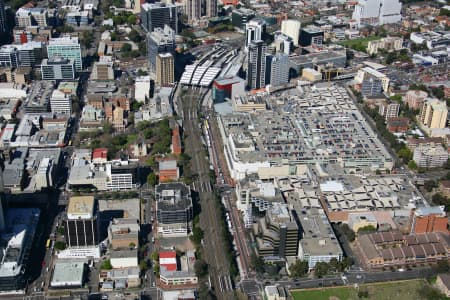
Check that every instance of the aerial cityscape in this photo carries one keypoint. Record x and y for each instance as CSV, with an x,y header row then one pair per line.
x,y
224,149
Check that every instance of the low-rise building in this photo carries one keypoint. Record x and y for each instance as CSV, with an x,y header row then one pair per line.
x,y
123,233
356,221
168,170
398,125
248,103
387,44
429,219
311,74
274,292
415,99
177,272
124,258
68,274
389,109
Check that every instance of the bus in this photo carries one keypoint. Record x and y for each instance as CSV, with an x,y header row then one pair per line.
x,y
48,243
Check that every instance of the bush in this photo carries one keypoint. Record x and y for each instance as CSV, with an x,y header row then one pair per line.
x,y
106,265
60,245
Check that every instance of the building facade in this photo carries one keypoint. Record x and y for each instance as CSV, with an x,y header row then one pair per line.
x,y
291,28
58,68
256,65
377,12
277,69
165,69
160,40
156,15
66,47
434,114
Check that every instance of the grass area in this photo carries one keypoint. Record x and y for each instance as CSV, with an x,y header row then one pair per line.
x,y
359,44
399,290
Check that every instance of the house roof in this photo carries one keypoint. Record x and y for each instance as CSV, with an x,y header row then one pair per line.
x,y
100,153
445,278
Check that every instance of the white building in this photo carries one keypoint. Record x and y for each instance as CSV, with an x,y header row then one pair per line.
x,y
430,156
124,258
254,30
142,88
377,12
388,44
61,102
367,73
68,274
291,28
277,69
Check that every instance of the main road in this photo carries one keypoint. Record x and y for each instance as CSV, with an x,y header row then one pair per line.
x,y
188,102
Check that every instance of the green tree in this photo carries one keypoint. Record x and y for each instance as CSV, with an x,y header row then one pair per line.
x,y
257,263
405,154
348,232
143,265
132,245
412,165
59,245
321,269
154,256
429,185
442,266
125,48
87,38
299,268
106,265
152,179
201,268
367,229
131,20
197,235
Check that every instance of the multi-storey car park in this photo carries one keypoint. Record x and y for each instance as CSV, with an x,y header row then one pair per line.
x,y
317,125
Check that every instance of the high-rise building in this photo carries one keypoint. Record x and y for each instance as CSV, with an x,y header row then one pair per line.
x,y
434,114
164,69
283,43
254,31
211,8
9,56
256,65
30,54
277,69
193,9
3,24
377,12
36,16
58,68
66,47
240,17
159,41
154,15
81,224
311,35
429,219
174,209
291,28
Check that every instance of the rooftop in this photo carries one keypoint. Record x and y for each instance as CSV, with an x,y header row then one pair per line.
x,y
68,273
81,207
173,196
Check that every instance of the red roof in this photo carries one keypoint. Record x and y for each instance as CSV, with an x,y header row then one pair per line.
x,y
100,153
168,260
168,254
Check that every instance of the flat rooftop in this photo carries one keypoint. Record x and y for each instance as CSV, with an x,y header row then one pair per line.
x,y
68,273
81,207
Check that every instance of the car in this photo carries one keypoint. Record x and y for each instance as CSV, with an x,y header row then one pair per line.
x,y
358,276
401,270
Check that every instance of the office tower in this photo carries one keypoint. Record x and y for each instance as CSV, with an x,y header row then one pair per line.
x,y
164,69
377,12
256,65
3,24
240,17
81,224
254,31
9,56
283,43
159,41
58,68
30,54
154,15
211,8
291,28
66,47
311,35
277,69
193,9
434,114
174,210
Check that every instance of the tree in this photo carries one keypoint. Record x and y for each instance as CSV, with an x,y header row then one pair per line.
x,y
154,256
132,245
197,235
412,165
106,265
87,38
59,245
114,36
367,229
363,294
348,232
321,269
405,154
152,179
299,268
131,20
141,72
143,265
125,48
201,268
429,185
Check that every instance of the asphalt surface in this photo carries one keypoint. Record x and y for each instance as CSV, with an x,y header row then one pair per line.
x,y
189,103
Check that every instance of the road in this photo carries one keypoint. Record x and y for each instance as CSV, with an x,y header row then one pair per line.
x,y
189,103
